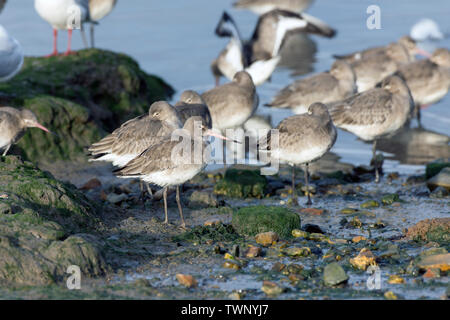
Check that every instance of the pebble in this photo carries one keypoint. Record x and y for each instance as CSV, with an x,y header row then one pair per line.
x,y
432,273
300,234
442,179
91,184
395,279
253,252
297,252
390,199
231,265
334,274
358,239
271,288
438,261
266,238
116,198
212,222
312,211
186,280
370,204
390,295
364,259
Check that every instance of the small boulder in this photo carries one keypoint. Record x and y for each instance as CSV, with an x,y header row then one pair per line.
x,y
334,274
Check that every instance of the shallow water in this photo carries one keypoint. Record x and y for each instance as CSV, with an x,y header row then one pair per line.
x,y
175,39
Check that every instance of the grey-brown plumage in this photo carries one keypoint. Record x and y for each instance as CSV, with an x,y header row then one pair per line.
x,y
191,104
326,87
375,67
375,113
263,6
233,103
406,42
428,79
13,124
136,135
166,163
302,139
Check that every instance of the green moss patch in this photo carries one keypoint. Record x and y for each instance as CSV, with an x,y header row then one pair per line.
x,y
256,219
241,184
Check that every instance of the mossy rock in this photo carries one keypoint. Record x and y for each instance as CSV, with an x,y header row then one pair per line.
x,y
73,127
256,219
436,230
204,234
435,167
241,184
79,97
38,238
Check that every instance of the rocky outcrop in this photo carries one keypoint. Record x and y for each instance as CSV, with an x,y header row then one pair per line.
x,y
79,97
42,227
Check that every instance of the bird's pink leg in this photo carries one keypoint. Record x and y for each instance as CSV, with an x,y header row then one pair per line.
x,y
69,45
55,44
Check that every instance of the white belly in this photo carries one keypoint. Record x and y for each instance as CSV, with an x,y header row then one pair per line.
x,y
60,13
102,9
300,157
173,177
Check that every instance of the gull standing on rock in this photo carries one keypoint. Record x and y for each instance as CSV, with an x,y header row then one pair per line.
x,y
63,15
326,87
303,139
375,113
165,164
99,9
13,124
11,56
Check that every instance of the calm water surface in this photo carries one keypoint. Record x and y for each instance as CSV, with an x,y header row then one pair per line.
x,y
175,40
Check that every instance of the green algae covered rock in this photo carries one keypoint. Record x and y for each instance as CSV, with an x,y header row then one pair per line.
x,y
241,184
436,230
79,97
433,168
42,227
257,219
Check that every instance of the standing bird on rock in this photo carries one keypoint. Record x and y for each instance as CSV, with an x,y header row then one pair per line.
x,y
261,7
326,87
11,56
166,163
303,139
99,9
13,124
63,15
428,79
376,113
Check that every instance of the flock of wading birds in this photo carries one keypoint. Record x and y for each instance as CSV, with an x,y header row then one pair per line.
x,y
371,93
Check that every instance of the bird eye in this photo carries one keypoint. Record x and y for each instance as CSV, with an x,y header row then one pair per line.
x,y
156,114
